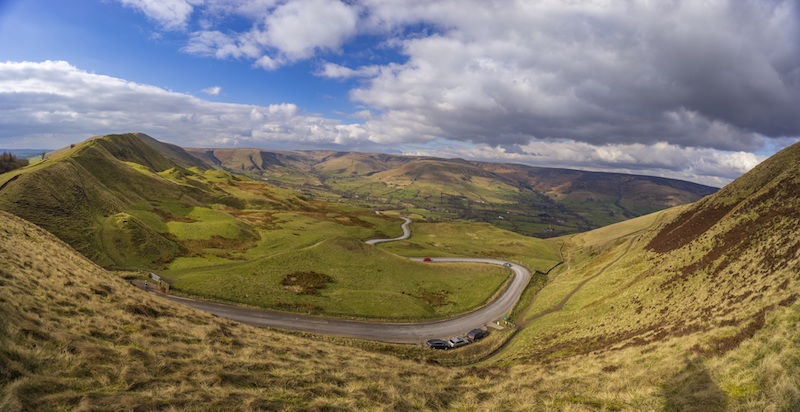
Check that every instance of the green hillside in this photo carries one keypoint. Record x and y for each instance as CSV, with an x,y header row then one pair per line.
x,y
649,314
533,201
706,295
130,201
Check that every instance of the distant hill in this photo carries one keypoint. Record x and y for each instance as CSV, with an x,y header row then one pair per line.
x,y
115,197
542,202
25,153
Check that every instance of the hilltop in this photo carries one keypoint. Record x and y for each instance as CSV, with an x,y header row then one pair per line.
x,y
121,199
534,201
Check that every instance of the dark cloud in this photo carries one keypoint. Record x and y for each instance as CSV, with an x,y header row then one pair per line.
x,y
706,74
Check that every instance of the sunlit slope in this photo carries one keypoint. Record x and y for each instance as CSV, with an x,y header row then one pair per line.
x,y
478,240
687,291
122,200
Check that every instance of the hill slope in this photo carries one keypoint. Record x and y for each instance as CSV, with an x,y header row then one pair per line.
x,y
73,336
533,201
115,198
692,288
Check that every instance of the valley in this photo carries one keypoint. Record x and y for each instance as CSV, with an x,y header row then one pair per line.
x,y
692,307
539,202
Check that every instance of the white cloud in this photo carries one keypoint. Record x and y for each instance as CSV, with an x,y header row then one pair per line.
x,y
281,35
171,14
57,103
722,74
213,90
335,71
54,98
299,28
690,73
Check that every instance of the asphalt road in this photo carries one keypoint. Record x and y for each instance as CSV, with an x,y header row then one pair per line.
x,y
418,332
406,234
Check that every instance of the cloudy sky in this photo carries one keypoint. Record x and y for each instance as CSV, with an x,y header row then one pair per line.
x,y
696,90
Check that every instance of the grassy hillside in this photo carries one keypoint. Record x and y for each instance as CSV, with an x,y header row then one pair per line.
x,y
120,200
632,321
478,240
75,337
129,201
532,201
693,290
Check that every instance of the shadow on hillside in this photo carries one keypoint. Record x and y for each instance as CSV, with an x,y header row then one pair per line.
x,y
692,389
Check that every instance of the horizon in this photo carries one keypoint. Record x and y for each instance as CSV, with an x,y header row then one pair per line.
x,y
394,154
687,91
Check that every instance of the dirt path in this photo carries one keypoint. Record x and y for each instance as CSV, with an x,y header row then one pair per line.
x,y
560,305
523,322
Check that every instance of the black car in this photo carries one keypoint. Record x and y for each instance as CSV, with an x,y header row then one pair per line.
x,y
477,334
437,344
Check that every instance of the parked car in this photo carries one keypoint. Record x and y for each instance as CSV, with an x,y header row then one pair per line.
x,y
437,344
477,334
458,342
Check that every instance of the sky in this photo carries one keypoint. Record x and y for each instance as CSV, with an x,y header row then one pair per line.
x,y
688,89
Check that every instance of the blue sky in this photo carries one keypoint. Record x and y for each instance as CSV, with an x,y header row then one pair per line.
x,y
701,91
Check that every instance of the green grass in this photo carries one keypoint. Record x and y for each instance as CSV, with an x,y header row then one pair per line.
x,y
477,240
209,223
366,282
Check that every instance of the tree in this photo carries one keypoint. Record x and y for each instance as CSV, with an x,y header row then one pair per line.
x,y
9,162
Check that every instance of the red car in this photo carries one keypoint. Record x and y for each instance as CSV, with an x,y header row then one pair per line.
x,y
427,259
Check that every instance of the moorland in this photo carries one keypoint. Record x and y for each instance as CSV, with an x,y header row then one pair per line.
x,y
693,307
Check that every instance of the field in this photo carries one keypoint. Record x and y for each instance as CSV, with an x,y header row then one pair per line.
x,y
477,240
351,279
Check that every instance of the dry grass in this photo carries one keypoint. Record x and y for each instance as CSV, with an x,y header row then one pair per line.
x,y
76,337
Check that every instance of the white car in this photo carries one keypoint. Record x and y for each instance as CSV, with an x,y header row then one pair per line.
x,y
458,342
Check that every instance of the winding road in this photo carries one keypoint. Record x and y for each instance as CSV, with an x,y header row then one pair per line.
x,y
414,333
